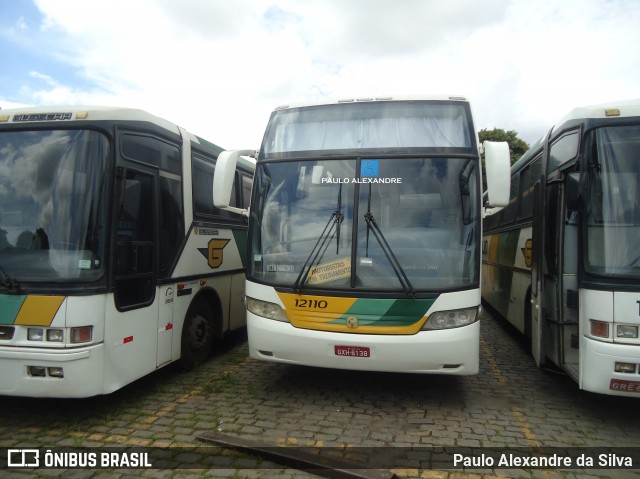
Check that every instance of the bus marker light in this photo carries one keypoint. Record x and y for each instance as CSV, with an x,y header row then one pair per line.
x,y
203,282
55,372
624,331
599,328
625,368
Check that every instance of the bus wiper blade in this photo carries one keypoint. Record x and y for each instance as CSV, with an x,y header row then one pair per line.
x,y
319,248
7,281
393,261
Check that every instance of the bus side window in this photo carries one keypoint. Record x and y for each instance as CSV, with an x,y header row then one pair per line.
x,y
528,177
563,150
135,244
164,156
171,221
202,173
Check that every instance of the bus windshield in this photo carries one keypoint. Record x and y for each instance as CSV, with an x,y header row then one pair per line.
x,y
365,126
52,199
394,224
613,216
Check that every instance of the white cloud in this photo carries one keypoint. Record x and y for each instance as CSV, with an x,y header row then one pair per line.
x,y
218,68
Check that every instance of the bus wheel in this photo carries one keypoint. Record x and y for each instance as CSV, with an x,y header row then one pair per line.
x,y
197,335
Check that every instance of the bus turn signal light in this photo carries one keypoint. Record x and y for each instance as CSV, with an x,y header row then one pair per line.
x,y
599,329
82,334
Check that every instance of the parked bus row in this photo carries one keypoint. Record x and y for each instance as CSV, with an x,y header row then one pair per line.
x,y
124,242
561,262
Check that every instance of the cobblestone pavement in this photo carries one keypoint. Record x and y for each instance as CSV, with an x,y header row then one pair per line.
x,y
509,404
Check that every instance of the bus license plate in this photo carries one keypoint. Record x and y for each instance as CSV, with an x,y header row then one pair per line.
x,y
623,385
352,351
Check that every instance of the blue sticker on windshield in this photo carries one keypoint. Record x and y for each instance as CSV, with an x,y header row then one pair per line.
x,y
369,168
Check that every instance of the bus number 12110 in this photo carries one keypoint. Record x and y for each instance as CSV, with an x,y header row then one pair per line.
x,y
311,303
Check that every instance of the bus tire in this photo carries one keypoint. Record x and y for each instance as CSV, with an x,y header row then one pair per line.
x,y
197,335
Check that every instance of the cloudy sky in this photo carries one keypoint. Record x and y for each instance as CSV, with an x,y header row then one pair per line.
x,y
218,67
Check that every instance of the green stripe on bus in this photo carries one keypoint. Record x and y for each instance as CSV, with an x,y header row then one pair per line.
x,y
9,307
387,312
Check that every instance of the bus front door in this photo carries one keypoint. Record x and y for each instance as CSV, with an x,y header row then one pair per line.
x,y
537,277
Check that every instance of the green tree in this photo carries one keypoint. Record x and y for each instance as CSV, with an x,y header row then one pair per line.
x,y
517,146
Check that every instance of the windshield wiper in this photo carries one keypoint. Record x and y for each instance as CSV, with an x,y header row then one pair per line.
x,y
331,229
7,281
393,261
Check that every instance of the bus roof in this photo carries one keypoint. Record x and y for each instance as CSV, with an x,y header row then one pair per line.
x,y
70,113
80,112
372,100
617,109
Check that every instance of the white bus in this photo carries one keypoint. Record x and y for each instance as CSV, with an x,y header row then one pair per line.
x,y
364,235
113,260
562,260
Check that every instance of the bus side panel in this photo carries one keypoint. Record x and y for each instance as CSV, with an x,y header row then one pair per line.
x,y
506,276
209,250
130,342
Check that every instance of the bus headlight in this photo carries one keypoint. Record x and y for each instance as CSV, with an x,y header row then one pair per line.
x,y
266,309
35,334
55,335
624,331
451,319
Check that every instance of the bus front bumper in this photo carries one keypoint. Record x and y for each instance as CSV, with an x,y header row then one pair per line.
x,y
451,351
62,373
597,371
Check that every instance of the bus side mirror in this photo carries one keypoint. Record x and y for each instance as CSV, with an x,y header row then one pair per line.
x,y
575,191
498,169
223,179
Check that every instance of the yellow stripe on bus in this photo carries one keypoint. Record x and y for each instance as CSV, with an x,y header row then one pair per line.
x,y
322,308
39,310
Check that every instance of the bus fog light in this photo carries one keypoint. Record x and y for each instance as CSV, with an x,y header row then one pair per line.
x,y
625,368
623,331
599,329
82,334
37,371
265,309
35,334
451,319
55,335
55,372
